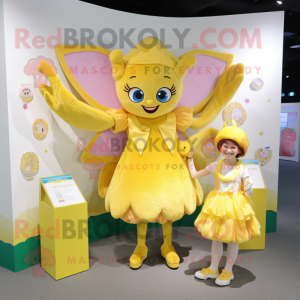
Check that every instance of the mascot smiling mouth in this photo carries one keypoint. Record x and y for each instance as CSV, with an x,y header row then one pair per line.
x,y
150,110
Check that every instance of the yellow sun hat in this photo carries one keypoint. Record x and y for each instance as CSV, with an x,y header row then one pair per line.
x,y
233,133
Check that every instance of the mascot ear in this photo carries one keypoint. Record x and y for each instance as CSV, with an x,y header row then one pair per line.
x,y
183,65
118,67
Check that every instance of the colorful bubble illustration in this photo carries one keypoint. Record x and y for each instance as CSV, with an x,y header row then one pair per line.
x,y
263,155
234,111
208,149
26,93
40,129
29,165
256,84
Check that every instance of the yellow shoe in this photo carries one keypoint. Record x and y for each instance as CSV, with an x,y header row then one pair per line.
x,y
138,256
206,273
224,278
169,254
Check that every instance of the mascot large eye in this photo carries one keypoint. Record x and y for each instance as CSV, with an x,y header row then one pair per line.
x,y
136,95
163,95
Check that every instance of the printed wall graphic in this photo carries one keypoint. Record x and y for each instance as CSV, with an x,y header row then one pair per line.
x,y
256,84
26,93
263,155
40,129
29,165
31,69
208,149
234,111
94,165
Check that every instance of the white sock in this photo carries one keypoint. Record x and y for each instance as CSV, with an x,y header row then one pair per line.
x,y
216,254
232,253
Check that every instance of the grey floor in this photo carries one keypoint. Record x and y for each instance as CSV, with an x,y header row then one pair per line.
x,y
272,273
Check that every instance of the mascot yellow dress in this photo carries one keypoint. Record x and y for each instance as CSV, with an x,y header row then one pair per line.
x,y
150,180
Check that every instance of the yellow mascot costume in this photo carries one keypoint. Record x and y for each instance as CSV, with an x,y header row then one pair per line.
x,y
150,182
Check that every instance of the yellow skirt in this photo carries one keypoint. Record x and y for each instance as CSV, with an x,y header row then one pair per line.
x,y
227,217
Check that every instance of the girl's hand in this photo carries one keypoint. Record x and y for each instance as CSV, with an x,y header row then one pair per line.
x,y
248,187
191,153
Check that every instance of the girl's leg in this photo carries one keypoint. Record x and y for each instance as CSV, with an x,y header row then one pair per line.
x,y
216,254
226,275
232,253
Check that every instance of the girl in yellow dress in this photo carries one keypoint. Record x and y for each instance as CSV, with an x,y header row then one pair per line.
x,y
227,215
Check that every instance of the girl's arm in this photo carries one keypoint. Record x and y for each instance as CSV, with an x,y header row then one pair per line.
x,y
193,172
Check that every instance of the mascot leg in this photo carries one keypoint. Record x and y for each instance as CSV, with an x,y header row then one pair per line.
x,y
167,250
141,250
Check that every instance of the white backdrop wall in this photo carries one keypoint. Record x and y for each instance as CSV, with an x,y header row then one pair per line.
x,y
58,153
6,211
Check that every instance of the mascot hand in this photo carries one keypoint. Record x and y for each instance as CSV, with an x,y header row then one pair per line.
x,y
229,82
184,148
46,69
47,92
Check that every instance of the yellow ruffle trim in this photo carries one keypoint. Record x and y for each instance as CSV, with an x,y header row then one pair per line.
x,y
132,218
228,218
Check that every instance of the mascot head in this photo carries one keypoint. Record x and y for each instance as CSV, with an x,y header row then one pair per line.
x,y
149,78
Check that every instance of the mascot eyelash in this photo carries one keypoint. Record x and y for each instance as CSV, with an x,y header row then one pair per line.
x,y
126,88
139,196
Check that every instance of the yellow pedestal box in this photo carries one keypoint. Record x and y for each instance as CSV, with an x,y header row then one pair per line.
x,y
63,227
259,200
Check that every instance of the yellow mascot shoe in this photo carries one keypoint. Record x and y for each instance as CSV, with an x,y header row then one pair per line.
x,y
169,254
138,256
207,273
224,278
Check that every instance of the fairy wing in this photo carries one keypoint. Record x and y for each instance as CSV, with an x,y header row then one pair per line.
x,y
90,73
200,81
106,146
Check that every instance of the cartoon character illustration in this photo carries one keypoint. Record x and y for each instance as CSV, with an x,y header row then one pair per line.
x,y
26,93
287,142
256,84
40,129
29,165
209,150
237,114
147,98
234,111
263,155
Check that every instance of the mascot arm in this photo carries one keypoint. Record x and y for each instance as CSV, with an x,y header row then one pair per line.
x,y
227,85
70,109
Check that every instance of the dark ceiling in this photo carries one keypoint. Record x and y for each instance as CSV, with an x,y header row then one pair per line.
x,y
199,8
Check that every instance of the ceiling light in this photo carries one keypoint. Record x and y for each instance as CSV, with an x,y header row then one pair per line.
x,y
287,76
295,46
279,2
